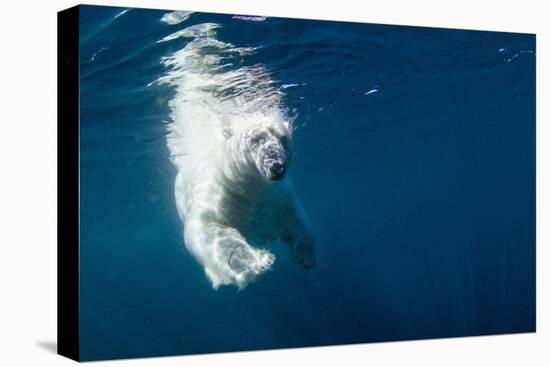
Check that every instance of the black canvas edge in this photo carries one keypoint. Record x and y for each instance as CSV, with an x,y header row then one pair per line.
x,y
68,221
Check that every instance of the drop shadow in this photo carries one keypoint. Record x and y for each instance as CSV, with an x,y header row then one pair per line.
x,y
48,345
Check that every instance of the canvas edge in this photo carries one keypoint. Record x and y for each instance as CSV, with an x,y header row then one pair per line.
x,y
68,210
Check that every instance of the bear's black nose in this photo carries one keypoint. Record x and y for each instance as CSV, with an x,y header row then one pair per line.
x,y
277,171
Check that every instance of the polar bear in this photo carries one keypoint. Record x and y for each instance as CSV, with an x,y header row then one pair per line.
x,y
236,198
232,145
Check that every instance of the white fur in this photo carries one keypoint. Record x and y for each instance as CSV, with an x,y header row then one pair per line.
x,y
226,204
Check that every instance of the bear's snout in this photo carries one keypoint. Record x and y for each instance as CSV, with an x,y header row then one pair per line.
x,y
270,151
273,163
277,171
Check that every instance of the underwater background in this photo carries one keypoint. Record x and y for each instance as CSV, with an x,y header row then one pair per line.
x,y
414,159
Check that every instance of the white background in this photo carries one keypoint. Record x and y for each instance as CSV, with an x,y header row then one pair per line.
x,y
28,183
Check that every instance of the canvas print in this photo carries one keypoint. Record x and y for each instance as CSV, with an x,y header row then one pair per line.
x,y
250,182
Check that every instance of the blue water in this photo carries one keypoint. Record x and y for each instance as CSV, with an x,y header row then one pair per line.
x,y
414,160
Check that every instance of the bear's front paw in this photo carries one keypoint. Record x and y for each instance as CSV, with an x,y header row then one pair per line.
x,y
246,263
303,252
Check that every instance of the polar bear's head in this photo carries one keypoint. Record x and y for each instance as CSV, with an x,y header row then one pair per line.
x,y
269,148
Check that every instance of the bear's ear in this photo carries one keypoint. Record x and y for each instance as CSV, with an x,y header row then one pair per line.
x,y
227,132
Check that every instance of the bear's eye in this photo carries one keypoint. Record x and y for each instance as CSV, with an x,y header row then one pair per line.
x,y
257,139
